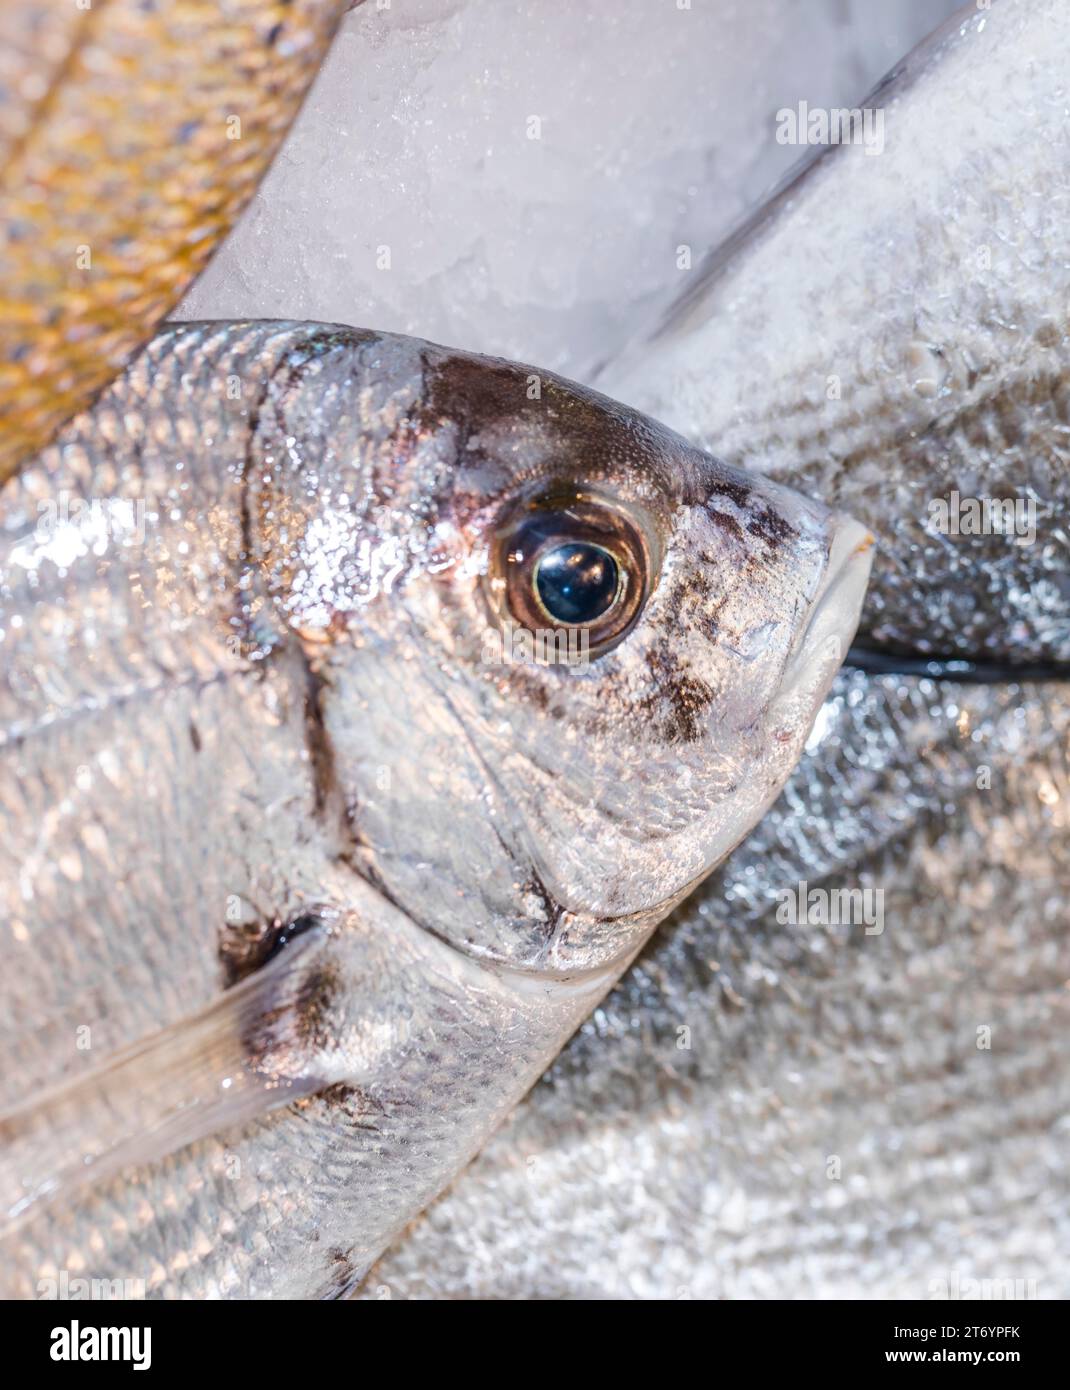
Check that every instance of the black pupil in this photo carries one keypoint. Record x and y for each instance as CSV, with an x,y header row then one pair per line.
x,y
577,583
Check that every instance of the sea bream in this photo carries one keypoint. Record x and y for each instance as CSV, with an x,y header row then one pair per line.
x,y
309,864
856,1113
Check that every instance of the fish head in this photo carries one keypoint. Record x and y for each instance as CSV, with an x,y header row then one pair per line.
x,y
564,660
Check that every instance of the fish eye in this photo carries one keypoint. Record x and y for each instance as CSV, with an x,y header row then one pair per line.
x,y
577,582
571,563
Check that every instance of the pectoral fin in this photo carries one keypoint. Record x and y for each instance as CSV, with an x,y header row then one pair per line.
x,y
240,1057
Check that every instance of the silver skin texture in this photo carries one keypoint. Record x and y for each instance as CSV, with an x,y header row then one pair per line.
x,y
254,739
891,328
856,1115
836,1127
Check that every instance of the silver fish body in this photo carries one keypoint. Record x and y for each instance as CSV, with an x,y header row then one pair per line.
x,y
765,1109
864,1109
262,726
890,333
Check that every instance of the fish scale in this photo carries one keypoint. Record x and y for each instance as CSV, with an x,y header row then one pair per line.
x,y
131,137
808,1043
891,329
261,745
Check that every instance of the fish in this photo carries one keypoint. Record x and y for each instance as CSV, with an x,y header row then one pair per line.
x,y
132,135
771,1109
364,705
889,332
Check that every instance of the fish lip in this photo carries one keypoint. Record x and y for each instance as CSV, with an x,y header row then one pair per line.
x,y
821,646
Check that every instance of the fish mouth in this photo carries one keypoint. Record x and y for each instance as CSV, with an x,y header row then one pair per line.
x,y
821,646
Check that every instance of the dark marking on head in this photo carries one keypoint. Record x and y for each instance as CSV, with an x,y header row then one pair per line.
x,y
699,604
195,736
735,489
760,519
678,704
671,713
772,528
727,523
566,431
475,392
